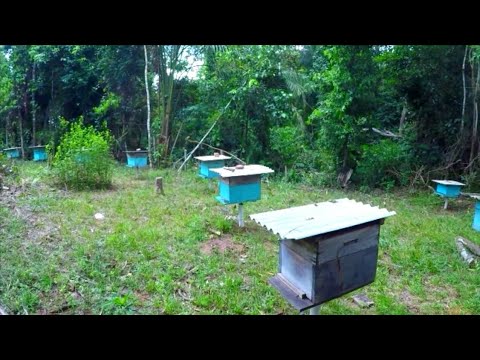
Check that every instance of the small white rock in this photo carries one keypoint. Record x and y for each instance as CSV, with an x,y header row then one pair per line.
x,y
99,216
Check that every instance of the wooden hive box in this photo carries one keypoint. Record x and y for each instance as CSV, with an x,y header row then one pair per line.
x,y
326,249
137,158
237,186
210,162
39,153
448,188
13,153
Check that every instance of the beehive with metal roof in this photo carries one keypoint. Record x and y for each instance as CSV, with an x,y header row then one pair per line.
x,y
137,158
208,162
39,153
448,188
13,152
326,250
240,184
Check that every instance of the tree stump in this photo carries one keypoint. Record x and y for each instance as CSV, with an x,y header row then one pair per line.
x,y
159,185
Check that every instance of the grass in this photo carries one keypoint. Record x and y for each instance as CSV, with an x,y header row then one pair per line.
x,y
146,256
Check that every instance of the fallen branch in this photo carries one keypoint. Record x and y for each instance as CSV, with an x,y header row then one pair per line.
x,y
226,152
386,133
474,248
208,132
466,256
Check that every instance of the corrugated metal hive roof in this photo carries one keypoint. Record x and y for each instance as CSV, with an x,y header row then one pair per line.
x,y
310,220
227,172
212,157
448,182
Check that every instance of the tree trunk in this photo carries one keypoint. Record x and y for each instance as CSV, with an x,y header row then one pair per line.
x,y
20,127
402,119
462,124
475,104
34,118
168,59
473,142
148,108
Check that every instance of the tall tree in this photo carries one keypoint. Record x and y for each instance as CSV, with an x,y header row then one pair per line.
x,y
147,89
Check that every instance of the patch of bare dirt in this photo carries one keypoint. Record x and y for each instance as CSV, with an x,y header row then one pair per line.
x,y
221,244
38,229
411,302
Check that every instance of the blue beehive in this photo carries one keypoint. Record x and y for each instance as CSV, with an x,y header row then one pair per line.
x,y
13,153
211,162
82,155
39,153
239,185
476,217
448,188
137,159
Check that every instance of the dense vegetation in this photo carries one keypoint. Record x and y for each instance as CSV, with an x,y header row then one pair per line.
x,y
307,111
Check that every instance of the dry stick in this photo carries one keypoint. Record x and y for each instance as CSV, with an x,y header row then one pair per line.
x,y
208,132
226,152
176,138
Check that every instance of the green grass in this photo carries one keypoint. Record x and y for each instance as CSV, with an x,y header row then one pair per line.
x,y
145,256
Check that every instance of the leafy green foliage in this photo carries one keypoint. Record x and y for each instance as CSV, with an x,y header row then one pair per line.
x,y
384,164
82,159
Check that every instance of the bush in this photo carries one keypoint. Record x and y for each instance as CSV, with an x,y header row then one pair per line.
x,y
383,164
82,160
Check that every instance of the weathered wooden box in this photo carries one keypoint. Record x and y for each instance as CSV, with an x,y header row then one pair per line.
x,y
137,158
39,153
13,153
327,249
237,186
210,162
448,188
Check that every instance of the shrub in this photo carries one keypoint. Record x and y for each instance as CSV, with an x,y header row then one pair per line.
x,y
82,160
383,164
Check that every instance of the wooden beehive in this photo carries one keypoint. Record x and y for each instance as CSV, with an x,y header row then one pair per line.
x,y
39,153
448,188
210,162
326,249
13,153
137,158
237,186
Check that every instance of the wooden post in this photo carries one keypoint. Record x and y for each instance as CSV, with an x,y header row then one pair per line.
x,y
240,215
159,185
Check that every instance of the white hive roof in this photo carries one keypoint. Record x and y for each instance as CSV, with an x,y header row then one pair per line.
x,y
315,219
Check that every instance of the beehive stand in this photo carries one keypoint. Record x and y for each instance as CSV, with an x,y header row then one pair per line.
x,y
237,186
326,250
448,189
